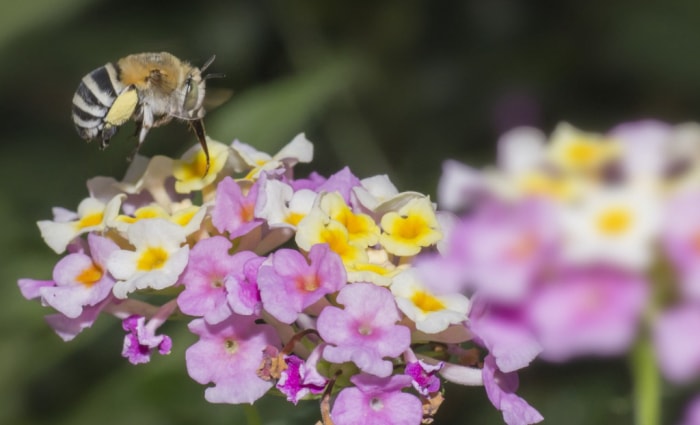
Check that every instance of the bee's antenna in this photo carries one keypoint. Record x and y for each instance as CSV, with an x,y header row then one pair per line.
x,y
207,63
217,75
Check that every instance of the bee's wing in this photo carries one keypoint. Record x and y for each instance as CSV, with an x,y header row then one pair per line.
x,y
215,97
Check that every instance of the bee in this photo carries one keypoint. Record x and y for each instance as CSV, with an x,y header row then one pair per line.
x,y
150,88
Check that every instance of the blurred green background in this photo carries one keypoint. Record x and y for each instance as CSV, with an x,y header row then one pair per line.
x,y
389,87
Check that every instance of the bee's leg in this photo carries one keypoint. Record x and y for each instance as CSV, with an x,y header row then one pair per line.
x,y
197,127
142,127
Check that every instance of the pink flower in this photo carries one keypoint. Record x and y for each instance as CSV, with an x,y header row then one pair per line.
x,y
141,339
500,389
423,376
290,282
587,311
377,401
229,354
681,237
677,347
301,377
209,268
81,280
365,331
233,211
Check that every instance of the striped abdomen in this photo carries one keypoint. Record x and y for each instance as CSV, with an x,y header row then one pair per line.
x,y
93,100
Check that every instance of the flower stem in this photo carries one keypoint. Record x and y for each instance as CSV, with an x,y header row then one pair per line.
x,y
252,416
646,382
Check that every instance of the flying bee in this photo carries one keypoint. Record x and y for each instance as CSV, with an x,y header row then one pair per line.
x,y
150,88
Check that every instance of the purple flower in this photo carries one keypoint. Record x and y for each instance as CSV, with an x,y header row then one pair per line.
x,y
229,354
499,250
676,343
141,339
505,332
342,182
81,280
301,378
209,268
500,389
364,331
242,287
587,311
68,328
377,401
423,376
290,282
233,211
692,413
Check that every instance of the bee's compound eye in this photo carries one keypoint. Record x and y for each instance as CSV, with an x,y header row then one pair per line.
x,y
191,95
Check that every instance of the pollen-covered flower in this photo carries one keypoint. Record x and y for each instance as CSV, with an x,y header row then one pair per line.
x,y
412,227
157,260
365,330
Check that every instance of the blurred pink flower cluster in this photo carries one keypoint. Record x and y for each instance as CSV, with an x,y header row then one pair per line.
x,y
350,292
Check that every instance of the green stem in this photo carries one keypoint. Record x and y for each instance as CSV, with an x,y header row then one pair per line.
x,y
252,416
646,382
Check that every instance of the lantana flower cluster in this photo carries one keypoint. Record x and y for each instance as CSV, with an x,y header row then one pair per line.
x,y
303,287
349,292
579,244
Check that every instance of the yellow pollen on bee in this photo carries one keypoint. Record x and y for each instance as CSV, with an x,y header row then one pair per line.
x,y
152,258
90,220
426,302
615,221
90,275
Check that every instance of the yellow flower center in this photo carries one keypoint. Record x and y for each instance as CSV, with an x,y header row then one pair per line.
x,y
615,221
426,302
581,153
90,275
90,220
308,283
294,218
231,346
409,227
152,258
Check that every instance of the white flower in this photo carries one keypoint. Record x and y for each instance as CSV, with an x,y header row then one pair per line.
x,y
92,215
280,206
157,261
611,225
245,157
430,312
